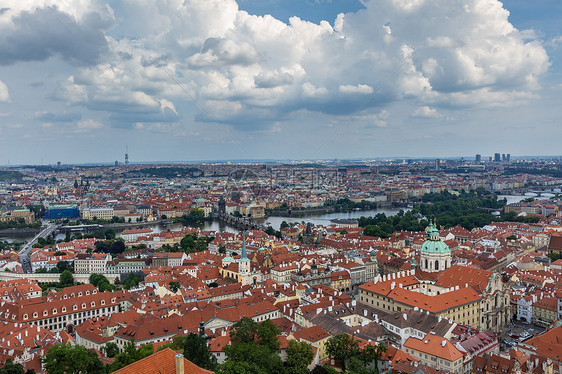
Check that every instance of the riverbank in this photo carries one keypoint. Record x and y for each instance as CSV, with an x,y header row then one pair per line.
x,y
21,231
133,225
298,212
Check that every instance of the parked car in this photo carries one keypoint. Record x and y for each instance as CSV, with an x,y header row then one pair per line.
x,y
514,336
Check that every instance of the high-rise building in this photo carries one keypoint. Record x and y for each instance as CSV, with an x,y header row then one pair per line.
x,y
504,159
58,165
508,157
437,161
478,158
116,163
497,157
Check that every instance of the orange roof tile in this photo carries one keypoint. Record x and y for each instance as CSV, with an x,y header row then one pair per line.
x,y
163,362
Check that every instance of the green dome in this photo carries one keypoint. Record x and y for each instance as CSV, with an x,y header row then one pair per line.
x,y
432,246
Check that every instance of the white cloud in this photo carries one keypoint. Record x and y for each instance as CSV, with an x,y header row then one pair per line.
x,y
88,125
360,89
34,30
4,94
426,112
437,52
377,119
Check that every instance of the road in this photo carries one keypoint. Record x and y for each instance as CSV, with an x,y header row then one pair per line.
x,y
26,249
517,328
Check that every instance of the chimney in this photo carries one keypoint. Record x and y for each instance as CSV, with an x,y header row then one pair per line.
x,y
179,364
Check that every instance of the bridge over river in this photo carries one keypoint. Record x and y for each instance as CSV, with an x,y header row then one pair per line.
x,y
241,223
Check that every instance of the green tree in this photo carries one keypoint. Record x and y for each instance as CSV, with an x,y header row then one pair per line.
x,y
187,243
196,350
66,359
196,215
371,355
66,278
111,349
342,348
254,347
131,354
176,344
299,356
117,246
64,265
174,286
101,282
109,234
11,368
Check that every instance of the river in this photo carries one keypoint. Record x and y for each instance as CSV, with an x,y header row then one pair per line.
x,y
314,218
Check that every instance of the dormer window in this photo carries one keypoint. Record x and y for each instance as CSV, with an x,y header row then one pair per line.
x,y
35,315
79,293
63,309
45,313
25,316
102,302
83,305
75,307
92,304
54,310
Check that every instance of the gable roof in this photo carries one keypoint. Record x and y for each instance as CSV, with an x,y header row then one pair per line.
x,y
434,345
162,362
461,276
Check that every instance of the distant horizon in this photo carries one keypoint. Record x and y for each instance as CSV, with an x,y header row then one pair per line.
x,y
280,161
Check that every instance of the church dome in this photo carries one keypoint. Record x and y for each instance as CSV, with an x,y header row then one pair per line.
x,y
434,244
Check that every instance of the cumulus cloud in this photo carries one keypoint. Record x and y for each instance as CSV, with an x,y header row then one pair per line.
x,y
377,119
4,94
169,53
426,112
35,31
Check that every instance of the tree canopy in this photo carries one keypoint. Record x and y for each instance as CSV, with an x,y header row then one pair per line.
x,y
299,356
345,350
66,359
254,349
131,354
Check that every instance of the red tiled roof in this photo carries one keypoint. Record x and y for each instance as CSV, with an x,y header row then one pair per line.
x,y
162,362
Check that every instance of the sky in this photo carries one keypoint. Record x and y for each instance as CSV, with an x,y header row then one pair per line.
x,y
189,80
